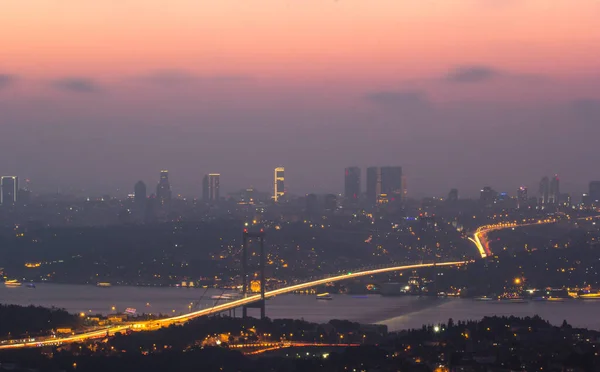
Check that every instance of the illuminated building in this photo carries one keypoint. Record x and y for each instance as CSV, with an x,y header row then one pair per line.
x,y
384,181
352,183
565,200
9,188
391,182
279,183
210,187
488,196
373,184
248,195
330,202
554,192
544,191
594,192
163,189
522,197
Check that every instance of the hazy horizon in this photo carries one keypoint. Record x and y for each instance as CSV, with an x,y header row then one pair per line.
x,y
99,95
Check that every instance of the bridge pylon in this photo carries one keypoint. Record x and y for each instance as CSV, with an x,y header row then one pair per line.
x,y
247,269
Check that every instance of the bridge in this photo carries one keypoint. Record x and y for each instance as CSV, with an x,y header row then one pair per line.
x,y
165,322
479,239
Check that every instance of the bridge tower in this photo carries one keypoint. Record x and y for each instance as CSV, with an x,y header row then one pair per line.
x,y
247,269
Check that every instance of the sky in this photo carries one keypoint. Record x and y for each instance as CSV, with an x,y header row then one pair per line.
x,y
96,95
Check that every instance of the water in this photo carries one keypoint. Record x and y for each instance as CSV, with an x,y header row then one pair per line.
x,y
395,312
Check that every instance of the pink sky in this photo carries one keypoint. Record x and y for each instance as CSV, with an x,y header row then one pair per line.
x,y
106,92
306,39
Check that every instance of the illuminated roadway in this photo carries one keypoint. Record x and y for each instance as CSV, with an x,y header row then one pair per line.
x,y
478,236
155,324
481,232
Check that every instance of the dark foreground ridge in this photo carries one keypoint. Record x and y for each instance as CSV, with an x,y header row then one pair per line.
x,y
233,344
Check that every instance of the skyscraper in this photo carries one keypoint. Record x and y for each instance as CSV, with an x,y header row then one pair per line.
x,y
9,188
140,200
373,184
139,192
544,191
352,183
312,204
522,199
488,196
210,187
330,202
391,182
163,189
278,183
554,192
594,192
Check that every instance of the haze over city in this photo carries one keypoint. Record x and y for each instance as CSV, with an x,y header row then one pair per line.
x,y
97,95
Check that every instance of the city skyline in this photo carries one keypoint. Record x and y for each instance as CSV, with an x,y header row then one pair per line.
x,y
323,85
386,181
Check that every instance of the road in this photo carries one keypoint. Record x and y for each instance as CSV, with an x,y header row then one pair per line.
x,y
155,324
480,241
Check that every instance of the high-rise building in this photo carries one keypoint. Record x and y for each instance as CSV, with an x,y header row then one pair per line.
x,y
565,200
352,183
140,200
554,192
9,188
373,184
210,187
391,182
453,195
278,183
488,196
140,195
163,189
330,202
312,204
522,198
544,191
594,192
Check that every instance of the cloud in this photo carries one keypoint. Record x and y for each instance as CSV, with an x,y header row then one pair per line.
x,y
174,77
472,74
401,99
6,80
76,85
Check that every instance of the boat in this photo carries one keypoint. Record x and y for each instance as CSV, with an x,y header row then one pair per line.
x,y
324,296
12,283
30,285
484,298
589,296
516,300
104,284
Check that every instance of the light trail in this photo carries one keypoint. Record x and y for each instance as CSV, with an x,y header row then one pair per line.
x,y
483,247
298,287
155,324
